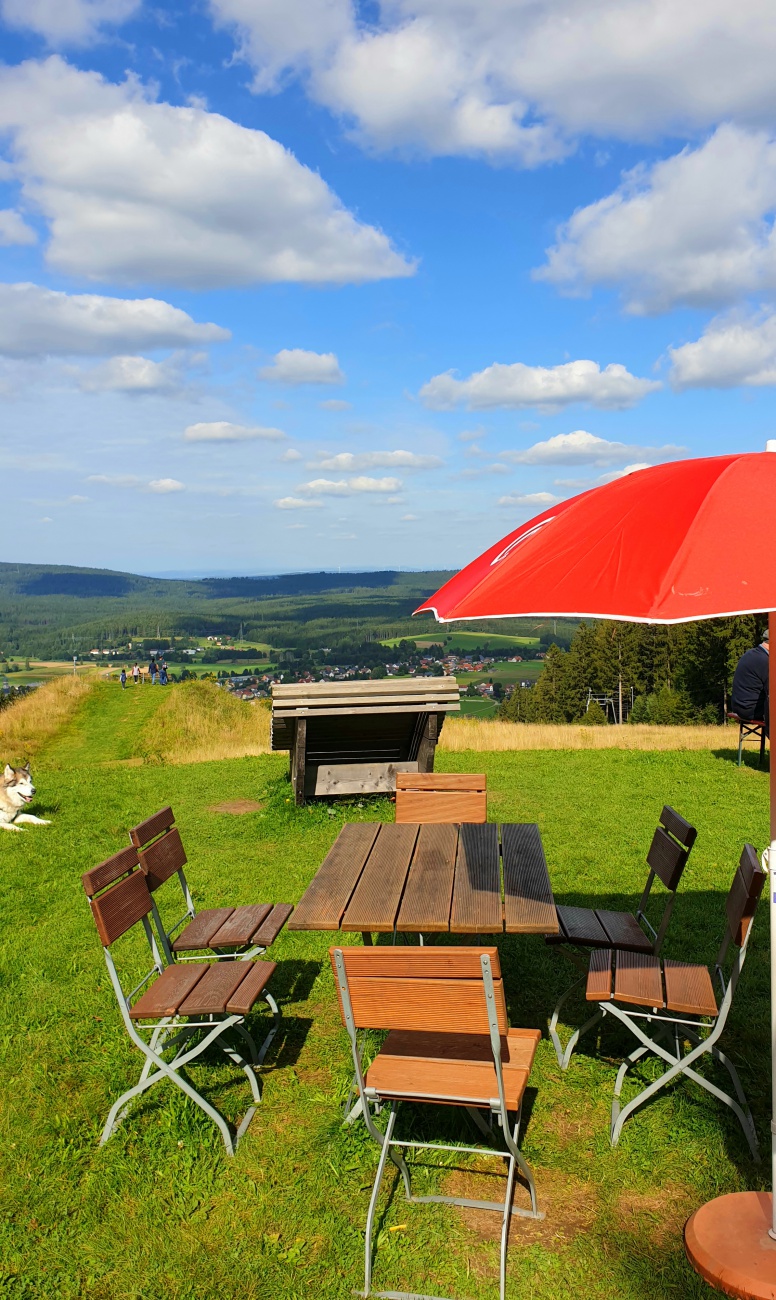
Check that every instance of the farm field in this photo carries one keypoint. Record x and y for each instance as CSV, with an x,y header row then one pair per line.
x,y
465,641
161,1211
505,672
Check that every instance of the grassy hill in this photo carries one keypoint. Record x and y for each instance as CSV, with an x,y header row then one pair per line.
x,y
162,1211
57,611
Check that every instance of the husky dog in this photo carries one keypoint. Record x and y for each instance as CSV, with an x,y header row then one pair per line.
x,y
16,790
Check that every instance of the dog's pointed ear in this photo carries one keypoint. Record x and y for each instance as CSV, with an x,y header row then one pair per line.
x,y
26,767
8,773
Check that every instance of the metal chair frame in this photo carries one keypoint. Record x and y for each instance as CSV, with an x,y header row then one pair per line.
x,y
391,1147
702,1037
171,1031
749,728
657,935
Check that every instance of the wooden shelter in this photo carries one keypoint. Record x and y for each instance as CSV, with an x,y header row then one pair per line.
x,y
353,737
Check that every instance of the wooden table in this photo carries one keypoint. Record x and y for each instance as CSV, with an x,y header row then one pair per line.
x,y
432,879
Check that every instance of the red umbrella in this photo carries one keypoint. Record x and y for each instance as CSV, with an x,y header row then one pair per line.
x,y
669,544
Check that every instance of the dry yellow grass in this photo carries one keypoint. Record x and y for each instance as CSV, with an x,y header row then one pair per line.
x,y
474,734
26,725
199,722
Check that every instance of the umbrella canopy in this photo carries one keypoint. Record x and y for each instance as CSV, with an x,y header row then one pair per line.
x,y
670,544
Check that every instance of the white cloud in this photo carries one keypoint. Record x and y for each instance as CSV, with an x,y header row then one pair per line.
x,y
624,472
43,322
297,503
536,499
66,22
409,519
582,448
14,229
136,191
349,461
732,350
346,487
335,404
164,485
133,375
291,454
517,385
516,78
157,485
696,229
297,366
223,431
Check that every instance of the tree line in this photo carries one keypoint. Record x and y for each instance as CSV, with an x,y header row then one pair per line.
x,y
640,672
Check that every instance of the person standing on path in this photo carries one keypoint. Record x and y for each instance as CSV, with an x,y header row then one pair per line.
x,y
135,675
123,679
153,671
749,696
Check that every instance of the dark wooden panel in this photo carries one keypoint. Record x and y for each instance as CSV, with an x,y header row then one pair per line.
x,y
269,930
637,979
167,992
625,932
428,894
581,925
200,930
689,989
529,907
211,993
477,891
151,827
162,859
375,902
251,988
326,897
599,976
667,858
111,869
121,907
678,827
417,963
239,928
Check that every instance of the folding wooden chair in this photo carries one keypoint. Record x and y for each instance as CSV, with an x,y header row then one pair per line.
x,y
749,729
582,927
186,1008
441,797
448,1044
679,998
224,933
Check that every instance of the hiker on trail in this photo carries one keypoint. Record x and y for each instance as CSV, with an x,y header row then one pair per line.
x,y
163,675
123,679
749,696
153,670
135,674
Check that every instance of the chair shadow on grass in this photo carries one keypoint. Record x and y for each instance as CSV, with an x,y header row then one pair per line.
x,y
536,974
749,758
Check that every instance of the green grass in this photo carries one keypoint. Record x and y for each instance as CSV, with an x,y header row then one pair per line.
x,y
482,708
465,641
161,1213
528,670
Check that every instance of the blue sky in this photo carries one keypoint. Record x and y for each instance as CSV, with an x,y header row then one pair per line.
x,y
298,284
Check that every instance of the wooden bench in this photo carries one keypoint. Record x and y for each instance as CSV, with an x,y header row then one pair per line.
x,y
353,737
441,797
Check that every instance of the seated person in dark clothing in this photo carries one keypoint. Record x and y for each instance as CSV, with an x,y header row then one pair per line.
x,y
749,697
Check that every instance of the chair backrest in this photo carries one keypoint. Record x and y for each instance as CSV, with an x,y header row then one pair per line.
x,y
670,847
159,848
423,989
441,797
743,896
118,895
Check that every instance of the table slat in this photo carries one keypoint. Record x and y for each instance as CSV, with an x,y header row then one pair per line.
x,y
529,907
425,907
477,891
377,895
327,896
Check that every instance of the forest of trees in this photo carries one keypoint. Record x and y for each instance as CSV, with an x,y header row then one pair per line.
x,y
678,674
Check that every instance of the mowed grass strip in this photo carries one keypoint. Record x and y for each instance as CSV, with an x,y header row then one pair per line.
x,y
161,1211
